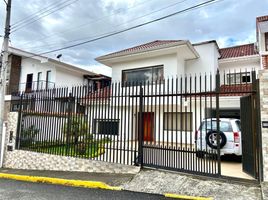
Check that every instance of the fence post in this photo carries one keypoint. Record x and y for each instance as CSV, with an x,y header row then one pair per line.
x,y
18,134
218,85
257,125
69,122
140,150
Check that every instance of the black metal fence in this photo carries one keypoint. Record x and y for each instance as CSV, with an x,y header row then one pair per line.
x,y
171,123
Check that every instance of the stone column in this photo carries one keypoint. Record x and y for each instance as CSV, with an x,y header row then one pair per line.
x,y
263,77
12,122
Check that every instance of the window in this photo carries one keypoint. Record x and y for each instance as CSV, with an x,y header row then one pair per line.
x,y
238,78
29,83
147,74
212,125
266,41
48,79
178,121
39,77
238,124
106,126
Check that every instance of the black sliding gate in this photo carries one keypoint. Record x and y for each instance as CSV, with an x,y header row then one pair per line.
x,y
170,123
250,125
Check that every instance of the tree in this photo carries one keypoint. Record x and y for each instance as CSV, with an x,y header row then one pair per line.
x,y
74,128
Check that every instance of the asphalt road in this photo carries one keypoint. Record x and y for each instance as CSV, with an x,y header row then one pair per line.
x,y
17,190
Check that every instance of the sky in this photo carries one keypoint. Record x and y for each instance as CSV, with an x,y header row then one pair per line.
x,y
42,26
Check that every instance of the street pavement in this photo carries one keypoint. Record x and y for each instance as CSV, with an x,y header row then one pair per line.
x,y
18,190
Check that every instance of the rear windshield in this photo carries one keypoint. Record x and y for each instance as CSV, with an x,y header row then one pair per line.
x,y
238,125
212,125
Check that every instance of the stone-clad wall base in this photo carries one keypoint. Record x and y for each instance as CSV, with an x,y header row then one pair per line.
x,y
19,159
263,77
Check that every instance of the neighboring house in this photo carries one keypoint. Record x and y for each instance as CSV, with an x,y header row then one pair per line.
x,y
237,63
170,58
262,39
28,72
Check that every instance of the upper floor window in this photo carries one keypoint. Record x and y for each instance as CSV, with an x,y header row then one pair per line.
x,y
238,78
48,79
39,77
266,41
146,74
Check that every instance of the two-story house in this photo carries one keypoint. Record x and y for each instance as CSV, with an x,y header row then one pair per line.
x,y
28,72
164,59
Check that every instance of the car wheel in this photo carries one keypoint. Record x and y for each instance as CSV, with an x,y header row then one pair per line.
x,y
200,154
211,139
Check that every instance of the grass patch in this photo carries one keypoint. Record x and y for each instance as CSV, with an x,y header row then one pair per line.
x,y
89,149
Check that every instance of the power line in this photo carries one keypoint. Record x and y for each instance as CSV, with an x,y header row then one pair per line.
x,y
38,12
5,2
44,14
40,17
94,21
131,28
132,20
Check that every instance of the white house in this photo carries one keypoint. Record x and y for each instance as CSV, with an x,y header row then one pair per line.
x,y
28,72
161,59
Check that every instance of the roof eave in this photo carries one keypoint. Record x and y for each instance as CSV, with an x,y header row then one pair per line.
x,y
106,59
109,56
255,57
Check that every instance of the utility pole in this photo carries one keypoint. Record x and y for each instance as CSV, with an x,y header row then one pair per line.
x,y
3,77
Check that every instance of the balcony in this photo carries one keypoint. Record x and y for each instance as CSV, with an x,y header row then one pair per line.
x,y
29,87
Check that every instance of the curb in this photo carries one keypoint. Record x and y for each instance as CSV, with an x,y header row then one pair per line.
x,y
184,197
59,181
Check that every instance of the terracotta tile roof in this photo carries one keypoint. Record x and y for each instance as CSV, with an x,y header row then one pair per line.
x,y
262,18
142,47
238,51
235,90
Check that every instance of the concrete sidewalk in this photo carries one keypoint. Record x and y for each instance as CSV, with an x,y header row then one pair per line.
x,y
152,181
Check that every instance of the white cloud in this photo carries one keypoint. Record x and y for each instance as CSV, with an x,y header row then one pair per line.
x,y
229,22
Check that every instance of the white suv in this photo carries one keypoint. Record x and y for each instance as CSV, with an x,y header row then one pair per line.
x,y
230,136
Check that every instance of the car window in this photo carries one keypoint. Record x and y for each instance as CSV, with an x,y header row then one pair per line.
x,y
212,125
238,124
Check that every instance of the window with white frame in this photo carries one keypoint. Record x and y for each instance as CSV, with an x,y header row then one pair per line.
x,y
181,121
238,78
146,74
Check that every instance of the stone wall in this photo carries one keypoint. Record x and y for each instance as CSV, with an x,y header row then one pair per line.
x,y
19,159
263,77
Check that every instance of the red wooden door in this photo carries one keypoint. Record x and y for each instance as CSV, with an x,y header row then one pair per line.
x,y
148,126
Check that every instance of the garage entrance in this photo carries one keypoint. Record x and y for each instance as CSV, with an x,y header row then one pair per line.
x,y
225,113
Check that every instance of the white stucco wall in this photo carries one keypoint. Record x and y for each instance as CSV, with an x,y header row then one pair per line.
x,y
59,76
68,78
32,66
206,63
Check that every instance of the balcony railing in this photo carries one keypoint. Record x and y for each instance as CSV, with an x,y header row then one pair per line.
x,y
30,87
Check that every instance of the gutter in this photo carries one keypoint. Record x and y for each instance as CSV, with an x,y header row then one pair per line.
x,y
242,58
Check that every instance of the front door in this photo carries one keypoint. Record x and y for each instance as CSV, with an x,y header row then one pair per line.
x,y
148,126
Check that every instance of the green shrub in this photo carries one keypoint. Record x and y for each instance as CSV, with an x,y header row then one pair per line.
x,y
74,128
28,135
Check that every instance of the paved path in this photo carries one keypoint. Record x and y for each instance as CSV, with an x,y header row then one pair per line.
x,y
17,190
